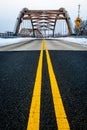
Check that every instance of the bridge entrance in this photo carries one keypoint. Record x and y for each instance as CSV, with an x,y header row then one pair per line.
x,y
43,23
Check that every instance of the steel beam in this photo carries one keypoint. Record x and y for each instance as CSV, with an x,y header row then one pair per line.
x,y
43,19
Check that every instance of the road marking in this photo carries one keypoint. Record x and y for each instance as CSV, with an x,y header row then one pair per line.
x,y
61,117
34,116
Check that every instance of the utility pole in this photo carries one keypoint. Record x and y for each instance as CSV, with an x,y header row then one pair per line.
x,y
78,11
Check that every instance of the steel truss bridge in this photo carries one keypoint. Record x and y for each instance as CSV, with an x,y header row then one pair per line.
x,y
43,23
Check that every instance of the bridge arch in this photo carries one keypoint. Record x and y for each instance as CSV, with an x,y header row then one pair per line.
x,y
41,22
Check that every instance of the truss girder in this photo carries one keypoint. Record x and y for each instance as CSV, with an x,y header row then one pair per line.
x,y
43,19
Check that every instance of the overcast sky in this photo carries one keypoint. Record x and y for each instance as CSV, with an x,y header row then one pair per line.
x,y
9,9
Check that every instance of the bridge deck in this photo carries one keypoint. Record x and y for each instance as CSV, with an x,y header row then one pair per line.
x,y
17,83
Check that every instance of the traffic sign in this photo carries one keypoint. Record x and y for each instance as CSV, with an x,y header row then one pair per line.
x,y
78,26
78,21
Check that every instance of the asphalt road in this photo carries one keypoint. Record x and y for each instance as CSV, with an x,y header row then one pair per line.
x,y
18,65
35,45
71,71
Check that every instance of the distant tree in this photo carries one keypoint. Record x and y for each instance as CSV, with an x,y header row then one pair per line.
x,y
83,28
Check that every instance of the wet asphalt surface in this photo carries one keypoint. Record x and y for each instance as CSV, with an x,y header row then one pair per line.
x,y
17,76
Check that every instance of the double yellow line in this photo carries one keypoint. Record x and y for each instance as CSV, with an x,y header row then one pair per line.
x,y
34,115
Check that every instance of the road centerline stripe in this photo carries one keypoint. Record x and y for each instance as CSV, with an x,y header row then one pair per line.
x,y
61,117
34,115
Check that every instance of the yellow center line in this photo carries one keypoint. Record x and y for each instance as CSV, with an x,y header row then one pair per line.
x,y
61,117
34,116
